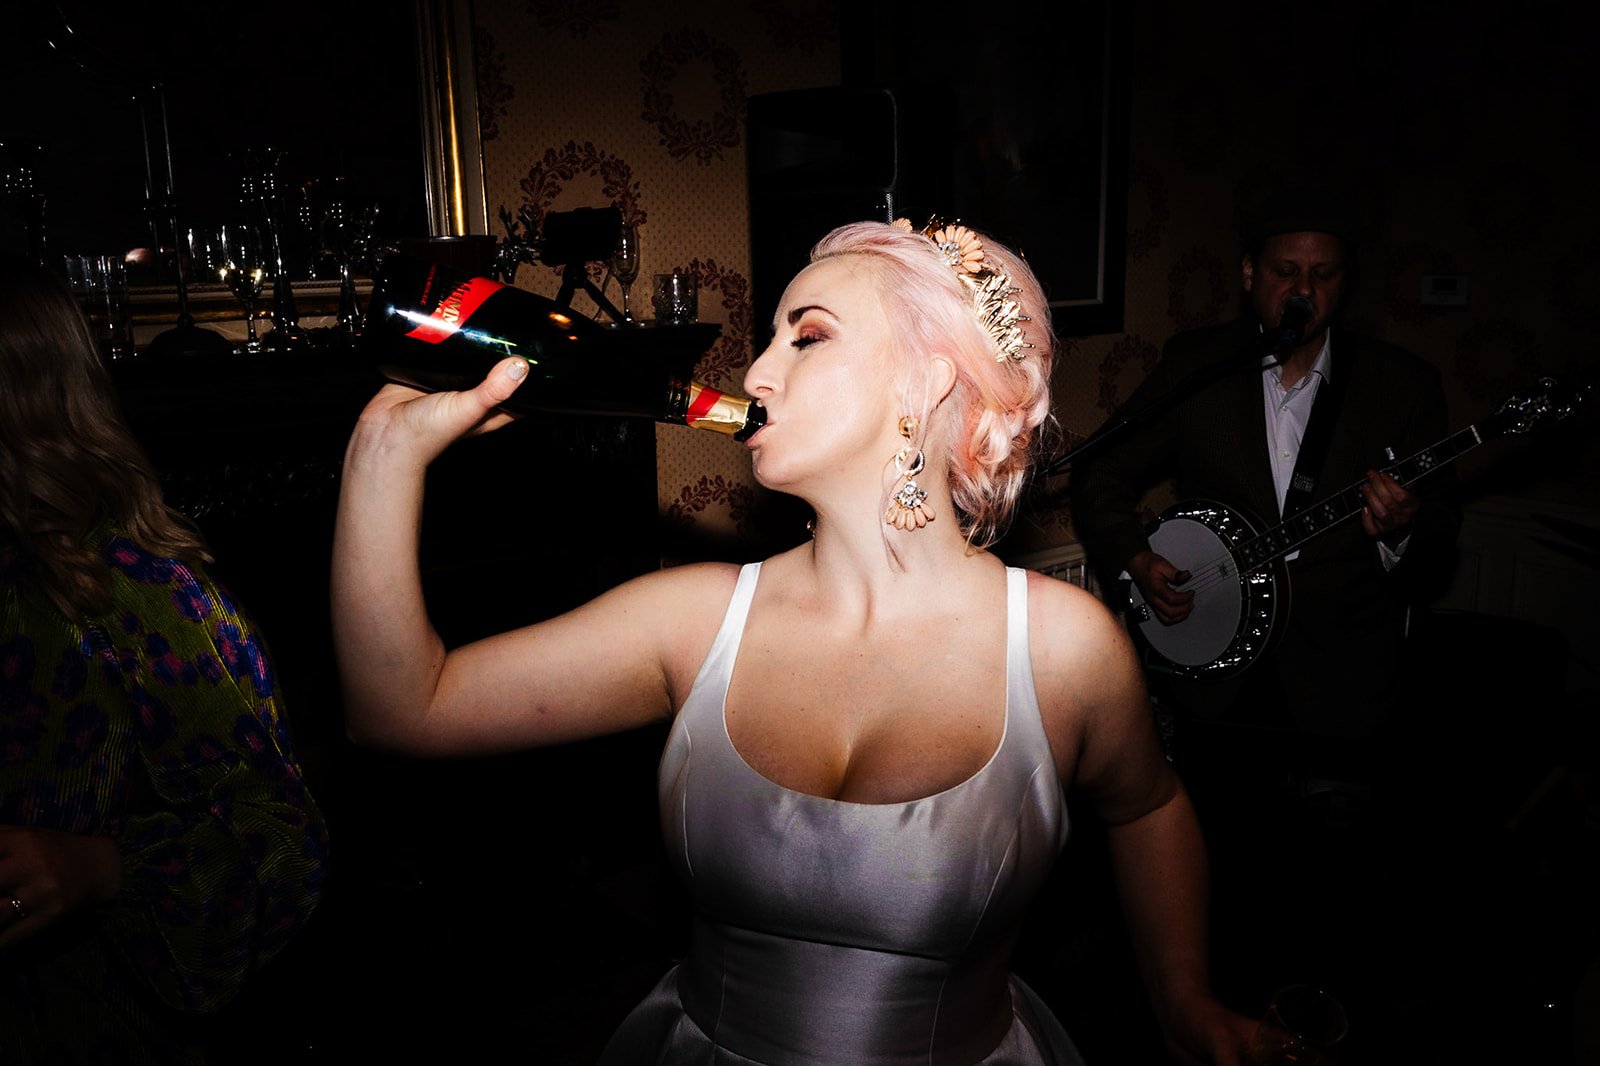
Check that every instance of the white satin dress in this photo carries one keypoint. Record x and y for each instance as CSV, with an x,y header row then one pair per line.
x,y
830,933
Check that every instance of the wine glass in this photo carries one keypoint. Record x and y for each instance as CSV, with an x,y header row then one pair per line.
x,y
241,265
625,264
346,228
1301,1028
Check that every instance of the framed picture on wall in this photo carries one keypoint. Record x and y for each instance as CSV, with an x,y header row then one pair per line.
x,y
1013,125
1018,126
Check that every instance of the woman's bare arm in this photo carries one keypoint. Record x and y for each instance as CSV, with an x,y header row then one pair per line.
x,y
1103,731
616,662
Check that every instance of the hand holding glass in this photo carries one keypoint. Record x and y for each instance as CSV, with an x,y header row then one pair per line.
x,y
1301,1028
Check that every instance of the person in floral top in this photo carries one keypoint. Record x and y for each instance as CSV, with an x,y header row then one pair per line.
x,y
157,841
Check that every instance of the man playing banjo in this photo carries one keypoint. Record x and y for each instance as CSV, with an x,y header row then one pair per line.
x,y
1270,436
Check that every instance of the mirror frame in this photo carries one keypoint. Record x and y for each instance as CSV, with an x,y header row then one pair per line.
x,y
452,144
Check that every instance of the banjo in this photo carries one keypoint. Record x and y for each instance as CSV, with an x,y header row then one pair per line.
x,y
1237,571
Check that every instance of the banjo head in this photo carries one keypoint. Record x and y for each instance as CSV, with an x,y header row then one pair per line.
x,y
1232,617
1204,636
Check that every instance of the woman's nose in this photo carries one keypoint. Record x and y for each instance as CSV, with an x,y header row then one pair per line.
x,y
760,379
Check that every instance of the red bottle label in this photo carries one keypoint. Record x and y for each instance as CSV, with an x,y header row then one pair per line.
x,y
701,402
455,309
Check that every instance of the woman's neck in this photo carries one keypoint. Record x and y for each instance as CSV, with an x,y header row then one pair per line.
x,y
855,551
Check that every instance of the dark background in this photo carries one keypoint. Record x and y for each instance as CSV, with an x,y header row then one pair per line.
x,y
333,86
1022,135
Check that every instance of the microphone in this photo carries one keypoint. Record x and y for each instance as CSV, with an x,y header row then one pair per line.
x,y
1297,315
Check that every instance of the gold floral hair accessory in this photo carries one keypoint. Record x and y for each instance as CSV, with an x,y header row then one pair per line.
x,y
991,289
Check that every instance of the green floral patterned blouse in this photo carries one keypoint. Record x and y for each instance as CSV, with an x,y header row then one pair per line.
x,y
157,724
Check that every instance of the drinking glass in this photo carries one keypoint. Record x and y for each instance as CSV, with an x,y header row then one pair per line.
x,y
100,282
241,265
1302,1027
625,264
113,278
676,298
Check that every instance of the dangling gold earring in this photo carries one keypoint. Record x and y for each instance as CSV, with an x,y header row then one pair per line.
x,y
908,508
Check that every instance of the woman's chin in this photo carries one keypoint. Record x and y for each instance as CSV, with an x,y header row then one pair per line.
x,y
767,479
764,467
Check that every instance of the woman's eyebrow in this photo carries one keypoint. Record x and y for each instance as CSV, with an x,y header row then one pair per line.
x,y
796,314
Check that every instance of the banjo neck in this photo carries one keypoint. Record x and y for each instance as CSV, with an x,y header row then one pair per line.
x,y
1270,546
1240,595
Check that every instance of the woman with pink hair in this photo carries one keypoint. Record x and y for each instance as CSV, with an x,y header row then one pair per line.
x,y
871,733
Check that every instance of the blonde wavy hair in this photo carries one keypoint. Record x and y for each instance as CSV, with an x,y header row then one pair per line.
x,y
68,464
1003,407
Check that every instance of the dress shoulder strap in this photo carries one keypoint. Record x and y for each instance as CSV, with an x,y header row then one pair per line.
x,y
1019,653
725,647
1024,719
743,593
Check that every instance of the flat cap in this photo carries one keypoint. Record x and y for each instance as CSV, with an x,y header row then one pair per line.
x,y
1299,206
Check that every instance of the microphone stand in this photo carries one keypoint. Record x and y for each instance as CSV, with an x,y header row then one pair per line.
x,y
1272,345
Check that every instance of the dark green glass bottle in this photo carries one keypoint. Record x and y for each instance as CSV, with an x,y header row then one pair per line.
x,y
436,328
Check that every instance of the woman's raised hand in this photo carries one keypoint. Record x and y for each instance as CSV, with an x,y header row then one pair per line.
x,y
426,423
389,656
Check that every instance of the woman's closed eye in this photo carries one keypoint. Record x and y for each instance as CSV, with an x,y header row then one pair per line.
x,y
807,338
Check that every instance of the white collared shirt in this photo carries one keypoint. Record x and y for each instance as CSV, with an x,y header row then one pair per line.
x,y
1288,412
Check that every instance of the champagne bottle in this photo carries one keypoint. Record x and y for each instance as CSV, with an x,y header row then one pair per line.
x,y
435,328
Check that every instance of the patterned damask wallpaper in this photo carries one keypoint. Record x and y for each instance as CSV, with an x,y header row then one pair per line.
x,y
584,104
1458,139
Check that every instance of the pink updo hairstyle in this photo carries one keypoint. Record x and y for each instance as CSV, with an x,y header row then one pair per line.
x,y
1001,405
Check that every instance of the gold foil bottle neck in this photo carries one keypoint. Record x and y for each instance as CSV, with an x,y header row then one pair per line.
x,y
734,416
